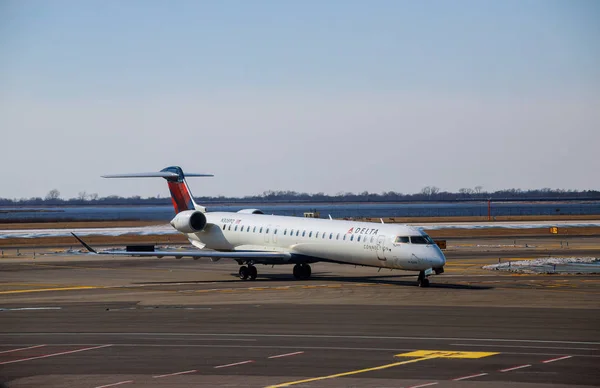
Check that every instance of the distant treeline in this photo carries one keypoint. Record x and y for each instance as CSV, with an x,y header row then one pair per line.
x,y
427,194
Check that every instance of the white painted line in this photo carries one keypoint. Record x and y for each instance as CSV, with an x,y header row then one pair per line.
x,y
31,308
469,377
175,374
53,354
115,384
18,350
524,347
423,385
556,359
262,335
286,355
234,364
515,368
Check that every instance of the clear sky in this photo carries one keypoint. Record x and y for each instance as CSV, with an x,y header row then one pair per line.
x,y
302,95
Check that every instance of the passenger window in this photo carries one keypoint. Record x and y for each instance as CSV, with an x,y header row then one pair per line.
x,y
344,237
310,234
229,228
297,232
254,230
267,231
285,232
224,226
330,236
358,239
337,237
303,233
324,234
352,238
260,231
235,229
275,232
248,229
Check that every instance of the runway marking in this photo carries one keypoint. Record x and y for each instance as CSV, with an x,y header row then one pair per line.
x,y
115,384
446,354
50,289
515,368
556,359
175,374
525,347
54,354
279,347
423,385
234,364
301,336
286,355
469,377
354,372
31,308
18,350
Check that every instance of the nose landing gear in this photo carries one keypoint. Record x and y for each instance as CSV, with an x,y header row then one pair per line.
x,y
422,280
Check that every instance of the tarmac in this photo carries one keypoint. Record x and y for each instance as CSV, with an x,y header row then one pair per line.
x,y
87,321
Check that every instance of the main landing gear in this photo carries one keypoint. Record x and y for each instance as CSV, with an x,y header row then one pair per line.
x,y
302,271
248,272
422,280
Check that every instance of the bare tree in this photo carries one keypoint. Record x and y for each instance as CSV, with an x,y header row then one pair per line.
x,y
53,195
478,189
82,196
93,196
465,191
430,190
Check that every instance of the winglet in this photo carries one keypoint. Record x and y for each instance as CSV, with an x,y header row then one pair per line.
x,y
89,248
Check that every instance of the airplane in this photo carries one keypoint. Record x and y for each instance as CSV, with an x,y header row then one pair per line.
x,y
251,237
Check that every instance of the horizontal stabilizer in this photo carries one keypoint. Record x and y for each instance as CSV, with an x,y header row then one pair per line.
x,y
161,174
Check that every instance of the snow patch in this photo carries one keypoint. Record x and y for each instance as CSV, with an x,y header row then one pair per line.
x,y
550,265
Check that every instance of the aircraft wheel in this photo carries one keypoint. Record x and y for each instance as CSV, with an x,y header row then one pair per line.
x,y
297,271
306,271
244,272
424,282
252,272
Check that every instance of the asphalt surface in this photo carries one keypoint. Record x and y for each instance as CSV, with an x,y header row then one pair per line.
x,y
83,321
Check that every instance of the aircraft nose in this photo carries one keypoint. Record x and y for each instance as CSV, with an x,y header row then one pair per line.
x,y
442,259
439,259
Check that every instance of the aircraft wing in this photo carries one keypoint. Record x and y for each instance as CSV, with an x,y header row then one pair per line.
x,y
258,256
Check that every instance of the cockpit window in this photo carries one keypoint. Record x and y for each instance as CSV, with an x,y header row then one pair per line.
x,y
421,240
401,239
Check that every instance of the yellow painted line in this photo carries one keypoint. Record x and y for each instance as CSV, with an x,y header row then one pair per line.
x,y
50,289
354,372
446,354
421,355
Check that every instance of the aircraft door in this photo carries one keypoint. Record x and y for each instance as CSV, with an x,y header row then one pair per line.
x,y
381,248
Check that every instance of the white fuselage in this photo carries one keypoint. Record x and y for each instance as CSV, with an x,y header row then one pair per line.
x,y
350,242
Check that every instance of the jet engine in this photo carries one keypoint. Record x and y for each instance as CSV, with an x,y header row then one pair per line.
x,y
189,221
